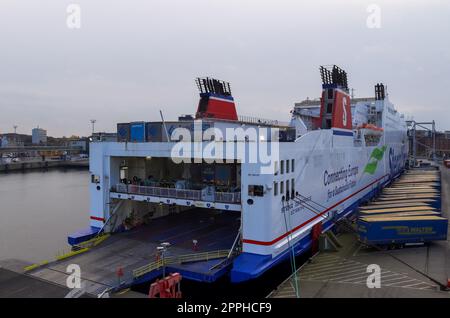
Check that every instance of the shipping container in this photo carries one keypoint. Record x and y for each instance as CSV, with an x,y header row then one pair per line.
x,y
137,131
400,230
172,126
189,125
123,132
287,135
154,131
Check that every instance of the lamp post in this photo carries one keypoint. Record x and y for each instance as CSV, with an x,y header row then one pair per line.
x,y
163,249
15,134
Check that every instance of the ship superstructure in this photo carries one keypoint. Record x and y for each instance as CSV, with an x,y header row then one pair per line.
x,y
281,183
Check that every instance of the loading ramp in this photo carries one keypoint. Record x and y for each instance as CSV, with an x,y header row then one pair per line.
x,y
136,249
417,223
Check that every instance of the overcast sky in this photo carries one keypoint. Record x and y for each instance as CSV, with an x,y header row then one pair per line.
x,y
131,58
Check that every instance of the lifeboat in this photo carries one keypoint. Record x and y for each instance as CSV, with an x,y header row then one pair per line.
x,y
370,129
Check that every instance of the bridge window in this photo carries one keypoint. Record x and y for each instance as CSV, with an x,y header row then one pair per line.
x,y
256,190
329,108
293,187
287,166
275,188
282,167
281,187
276,168
292,165
287,190
95,179
330,93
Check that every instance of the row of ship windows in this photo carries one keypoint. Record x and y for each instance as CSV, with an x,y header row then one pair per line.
x,y
289,190
290,164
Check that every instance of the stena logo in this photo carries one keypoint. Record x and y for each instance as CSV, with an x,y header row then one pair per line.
x,y
396,160
391,159
344,111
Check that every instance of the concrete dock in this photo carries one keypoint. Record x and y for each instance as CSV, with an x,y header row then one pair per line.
x,y
23,286
413,271
39,164
16,284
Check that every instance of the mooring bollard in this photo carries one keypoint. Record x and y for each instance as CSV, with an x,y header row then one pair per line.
x,y
119,273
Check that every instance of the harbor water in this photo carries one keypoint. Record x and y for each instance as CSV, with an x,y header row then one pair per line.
x,y
38,209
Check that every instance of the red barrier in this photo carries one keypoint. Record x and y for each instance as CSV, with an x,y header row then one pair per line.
x,y
315,233
168,287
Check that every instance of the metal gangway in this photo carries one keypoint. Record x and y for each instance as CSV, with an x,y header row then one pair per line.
x,y
180,259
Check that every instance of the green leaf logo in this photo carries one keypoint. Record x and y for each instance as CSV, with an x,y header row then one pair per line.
x,y
375,157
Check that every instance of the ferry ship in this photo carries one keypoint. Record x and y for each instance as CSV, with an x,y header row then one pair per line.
x,y
262,189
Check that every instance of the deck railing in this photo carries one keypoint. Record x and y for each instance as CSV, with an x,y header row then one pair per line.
x,y
224,197
180,259
261,121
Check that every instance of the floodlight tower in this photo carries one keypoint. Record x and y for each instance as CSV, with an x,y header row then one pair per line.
x,y
93,121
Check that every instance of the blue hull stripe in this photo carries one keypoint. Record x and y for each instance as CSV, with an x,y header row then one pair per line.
x,y
342,133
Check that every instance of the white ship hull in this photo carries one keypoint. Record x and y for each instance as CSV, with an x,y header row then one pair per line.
x,y
332,177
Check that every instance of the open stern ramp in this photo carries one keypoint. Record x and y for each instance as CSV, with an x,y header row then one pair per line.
x,y
132,250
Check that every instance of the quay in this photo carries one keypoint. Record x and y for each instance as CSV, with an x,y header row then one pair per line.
x,y
39,164
15,284
42,157
412,271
